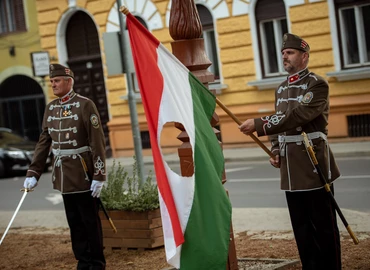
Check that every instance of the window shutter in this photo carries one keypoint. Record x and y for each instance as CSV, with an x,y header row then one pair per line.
x,y
270,9
19,18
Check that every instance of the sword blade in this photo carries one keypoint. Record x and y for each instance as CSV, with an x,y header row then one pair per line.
x,y
15,213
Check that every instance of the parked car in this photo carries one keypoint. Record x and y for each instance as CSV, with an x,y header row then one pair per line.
x,y
16,153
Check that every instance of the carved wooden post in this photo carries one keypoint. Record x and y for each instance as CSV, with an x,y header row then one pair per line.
x,y
188,47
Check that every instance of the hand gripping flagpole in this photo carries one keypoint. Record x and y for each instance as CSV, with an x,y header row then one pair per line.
x,y
26,190
311,152
239,123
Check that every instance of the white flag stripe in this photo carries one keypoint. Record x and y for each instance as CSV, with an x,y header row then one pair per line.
x,y
174,103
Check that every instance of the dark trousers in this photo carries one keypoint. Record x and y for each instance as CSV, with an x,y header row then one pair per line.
x,y
86,231
314,222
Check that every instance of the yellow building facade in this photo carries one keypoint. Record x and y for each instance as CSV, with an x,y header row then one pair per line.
x,y
22,94
238,35
16,45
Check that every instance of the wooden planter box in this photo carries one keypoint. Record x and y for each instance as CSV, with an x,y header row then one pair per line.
x,y
141,230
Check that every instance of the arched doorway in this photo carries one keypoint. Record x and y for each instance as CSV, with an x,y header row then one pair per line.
x,y
84,58
22,105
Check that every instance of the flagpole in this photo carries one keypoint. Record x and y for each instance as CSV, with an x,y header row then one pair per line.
x,y
239,123
131,98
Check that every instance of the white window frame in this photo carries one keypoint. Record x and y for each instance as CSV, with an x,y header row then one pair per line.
x,y
265,83
278,41
360,33
210,48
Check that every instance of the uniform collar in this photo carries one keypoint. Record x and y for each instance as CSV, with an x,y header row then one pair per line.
x,y
67,97
299,75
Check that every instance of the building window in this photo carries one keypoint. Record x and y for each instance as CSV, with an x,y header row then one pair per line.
x,y
209,37
271,39
11,16
354,24
358,125
145,139
272,25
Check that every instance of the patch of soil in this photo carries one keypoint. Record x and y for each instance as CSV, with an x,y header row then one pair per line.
x,y
42,249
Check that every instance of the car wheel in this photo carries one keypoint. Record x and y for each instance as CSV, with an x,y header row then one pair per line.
x,y
2,169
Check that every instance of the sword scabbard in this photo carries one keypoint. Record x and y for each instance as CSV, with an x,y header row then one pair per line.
x,y
353,236
107,216
112,225
311,152
84,164
309,148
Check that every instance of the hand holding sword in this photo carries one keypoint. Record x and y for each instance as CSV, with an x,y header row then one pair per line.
x,y
96,187
323,179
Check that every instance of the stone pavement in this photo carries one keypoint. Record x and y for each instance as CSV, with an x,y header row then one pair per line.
x,y
244,219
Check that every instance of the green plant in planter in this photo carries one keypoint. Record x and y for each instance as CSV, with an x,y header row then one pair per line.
x,y
122,192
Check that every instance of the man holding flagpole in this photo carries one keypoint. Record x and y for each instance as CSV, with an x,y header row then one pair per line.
x,y
302,105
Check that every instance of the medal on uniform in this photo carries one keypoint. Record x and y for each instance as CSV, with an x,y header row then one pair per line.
x,y
67,110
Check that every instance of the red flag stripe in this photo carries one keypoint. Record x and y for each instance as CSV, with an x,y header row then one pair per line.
x,y
151,90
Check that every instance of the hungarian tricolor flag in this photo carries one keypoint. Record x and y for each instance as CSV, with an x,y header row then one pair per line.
x,y
196,212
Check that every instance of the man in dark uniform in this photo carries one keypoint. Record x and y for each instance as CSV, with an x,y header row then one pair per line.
x,y
302,105
72,130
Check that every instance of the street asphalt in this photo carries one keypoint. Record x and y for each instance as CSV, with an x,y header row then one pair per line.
x,y
243,219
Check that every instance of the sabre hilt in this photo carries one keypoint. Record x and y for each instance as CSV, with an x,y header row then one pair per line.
x,y
309,148
27,189
312,154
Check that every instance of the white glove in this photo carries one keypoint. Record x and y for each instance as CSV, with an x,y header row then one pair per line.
x,y
30,182
96,187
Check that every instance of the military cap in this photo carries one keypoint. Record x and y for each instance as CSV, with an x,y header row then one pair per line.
x,y
294,42
57,70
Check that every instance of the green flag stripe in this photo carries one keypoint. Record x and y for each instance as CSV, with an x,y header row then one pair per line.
x,y
208,230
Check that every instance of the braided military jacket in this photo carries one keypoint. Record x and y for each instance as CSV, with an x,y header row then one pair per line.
x,y
73,130
302,104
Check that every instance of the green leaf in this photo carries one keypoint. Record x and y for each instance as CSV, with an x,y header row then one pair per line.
x,y
121,190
